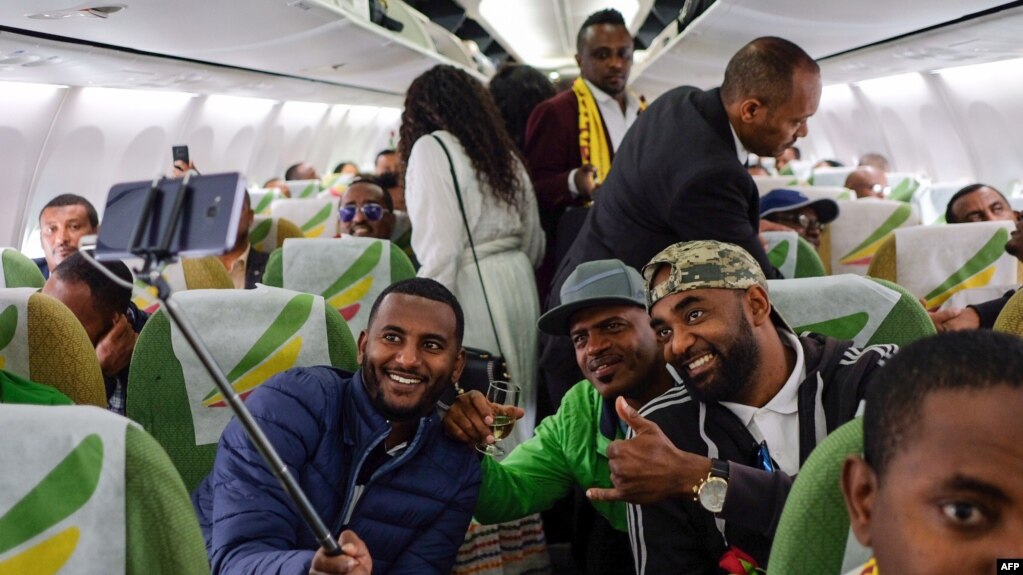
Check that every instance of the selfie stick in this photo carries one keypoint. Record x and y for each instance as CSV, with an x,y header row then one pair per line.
x,y
151,274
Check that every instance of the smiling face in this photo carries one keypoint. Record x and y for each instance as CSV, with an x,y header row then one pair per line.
x,y
605,57
708,338
616,350
356,198
950,499
61,228
409,354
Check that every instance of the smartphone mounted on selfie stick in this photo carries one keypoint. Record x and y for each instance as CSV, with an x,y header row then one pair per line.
x,y
164,219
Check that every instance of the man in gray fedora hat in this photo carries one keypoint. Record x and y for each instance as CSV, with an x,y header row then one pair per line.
x,y
603,311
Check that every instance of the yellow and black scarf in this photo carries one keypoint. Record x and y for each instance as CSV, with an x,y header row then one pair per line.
x,y
593,147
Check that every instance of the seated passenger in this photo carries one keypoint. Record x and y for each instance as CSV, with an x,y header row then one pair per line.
x,y
781,162
301,171
279,185
794,210
868,182
937,489
876,161
366,210
243,263
107,313
349,169
978,203
829,164
16,389
710,463
365,447
387,162
758,169
602,309
62,223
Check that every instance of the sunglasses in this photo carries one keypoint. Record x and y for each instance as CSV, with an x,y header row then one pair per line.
x,y
373,212
801,220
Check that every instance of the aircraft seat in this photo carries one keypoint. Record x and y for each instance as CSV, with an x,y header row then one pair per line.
x,y
828,176
317,218
268,233
866,310
349,272
935,262
831,192
767,183
254,334
41,340
792,255
187,274
18,270
304,189
261,199
932,199
849,243
813,533
92,492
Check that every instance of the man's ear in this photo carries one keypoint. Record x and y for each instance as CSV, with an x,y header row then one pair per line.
x,y
361,346
859,488
759,304
456,374
749,108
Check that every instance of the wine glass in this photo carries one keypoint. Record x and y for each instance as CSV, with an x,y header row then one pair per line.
x,y
500,393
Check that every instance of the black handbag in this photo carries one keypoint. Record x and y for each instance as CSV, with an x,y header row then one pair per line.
x,y
481,367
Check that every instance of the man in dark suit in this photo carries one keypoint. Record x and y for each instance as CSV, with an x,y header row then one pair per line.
x,y
680,174
562,174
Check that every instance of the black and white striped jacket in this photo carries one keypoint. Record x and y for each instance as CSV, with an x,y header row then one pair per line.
x,y
680,536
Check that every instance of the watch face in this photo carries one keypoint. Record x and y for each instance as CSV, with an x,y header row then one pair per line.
x,y
712,494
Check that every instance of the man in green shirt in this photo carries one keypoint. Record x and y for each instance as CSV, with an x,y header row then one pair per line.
x,y
14,389
603,310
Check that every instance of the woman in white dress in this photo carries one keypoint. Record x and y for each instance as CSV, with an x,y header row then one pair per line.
x,y
448,104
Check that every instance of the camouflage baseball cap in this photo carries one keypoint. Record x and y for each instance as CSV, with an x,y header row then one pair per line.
x,y
702,264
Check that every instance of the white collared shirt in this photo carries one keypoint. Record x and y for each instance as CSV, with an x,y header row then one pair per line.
x,y
777,422
740,150
616,122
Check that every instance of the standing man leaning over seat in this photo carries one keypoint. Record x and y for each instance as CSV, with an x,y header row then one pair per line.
x,y
105,310
367,448
709,464
681,173
62,223
572,137
603,311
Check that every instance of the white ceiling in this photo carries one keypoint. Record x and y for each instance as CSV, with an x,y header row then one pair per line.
x,y
823,28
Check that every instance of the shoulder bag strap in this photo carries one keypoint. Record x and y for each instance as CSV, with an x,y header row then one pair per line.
x,y
465,220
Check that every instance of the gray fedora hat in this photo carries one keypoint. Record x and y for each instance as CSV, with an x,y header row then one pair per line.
x,y
593,283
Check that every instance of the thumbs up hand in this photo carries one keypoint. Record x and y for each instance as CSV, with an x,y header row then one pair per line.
x,y
648,468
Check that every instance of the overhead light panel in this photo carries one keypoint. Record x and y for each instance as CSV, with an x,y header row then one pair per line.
x,y
100,11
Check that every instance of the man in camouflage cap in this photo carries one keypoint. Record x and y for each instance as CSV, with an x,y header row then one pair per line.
x,y
713,460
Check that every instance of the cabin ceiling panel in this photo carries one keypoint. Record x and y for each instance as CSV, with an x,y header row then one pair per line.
x,y
699,54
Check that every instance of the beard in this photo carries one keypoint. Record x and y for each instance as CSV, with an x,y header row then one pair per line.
x,y
739,362
388,410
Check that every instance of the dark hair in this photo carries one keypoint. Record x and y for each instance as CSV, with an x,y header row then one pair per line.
x,y
64,200
763,69
381,153
448,98
875,160
950,217
799,154
963,360
832,163
109,296
289,174
517,90
373,181
341,166
387,180
605,16
426,288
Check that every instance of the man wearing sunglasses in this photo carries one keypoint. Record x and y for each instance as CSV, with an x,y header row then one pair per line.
x,y
366,210
794,210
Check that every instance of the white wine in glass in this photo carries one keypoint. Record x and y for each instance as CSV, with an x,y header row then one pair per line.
x,y
500,393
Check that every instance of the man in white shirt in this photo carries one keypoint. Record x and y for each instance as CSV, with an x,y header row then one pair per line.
x,y
565,172
709,464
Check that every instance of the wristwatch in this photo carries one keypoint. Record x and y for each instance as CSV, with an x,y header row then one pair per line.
x,y
710,492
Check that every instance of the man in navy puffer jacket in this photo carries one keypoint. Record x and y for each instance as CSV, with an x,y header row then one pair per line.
x,y
367,448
